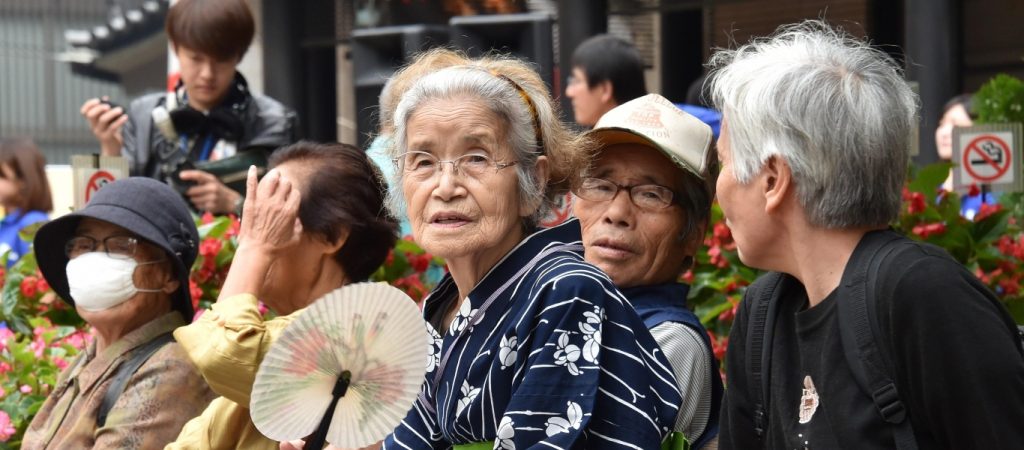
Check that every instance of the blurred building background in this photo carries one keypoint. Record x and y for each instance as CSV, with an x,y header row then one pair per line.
x,y
328,59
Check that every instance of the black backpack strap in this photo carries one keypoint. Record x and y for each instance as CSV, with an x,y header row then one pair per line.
x,y
125,371
859,330
763,293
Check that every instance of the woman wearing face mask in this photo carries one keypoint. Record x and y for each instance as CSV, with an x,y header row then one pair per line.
x,y
123,262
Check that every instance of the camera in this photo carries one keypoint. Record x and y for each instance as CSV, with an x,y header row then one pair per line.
x,y
172,170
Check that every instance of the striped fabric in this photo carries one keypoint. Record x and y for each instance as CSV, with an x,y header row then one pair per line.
x,y
544,352
690,359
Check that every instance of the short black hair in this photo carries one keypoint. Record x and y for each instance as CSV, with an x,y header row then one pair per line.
x,y
967,100
219,28
608,58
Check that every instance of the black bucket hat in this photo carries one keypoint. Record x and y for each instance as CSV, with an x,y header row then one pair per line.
x,y
144,206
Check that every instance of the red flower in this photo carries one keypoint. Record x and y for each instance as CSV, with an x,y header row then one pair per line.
x,y
235,226
419,263
28,286
206,218
987,210
930,229
722,231
688,277
42,286
196,292
973,190
210,247
390,258
916,204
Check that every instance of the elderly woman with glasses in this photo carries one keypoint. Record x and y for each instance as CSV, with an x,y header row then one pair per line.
x,y
123,262
532,345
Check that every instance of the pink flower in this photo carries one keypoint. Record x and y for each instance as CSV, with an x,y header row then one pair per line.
x,y
61,363
25,389
77,339
3,393
5,334
4,367
38,346
6,427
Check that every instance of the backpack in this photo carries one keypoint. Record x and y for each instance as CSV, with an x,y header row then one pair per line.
x,y
858,329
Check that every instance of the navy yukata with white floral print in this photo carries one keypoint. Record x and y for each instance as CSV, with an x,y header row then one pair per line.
x,y
545,352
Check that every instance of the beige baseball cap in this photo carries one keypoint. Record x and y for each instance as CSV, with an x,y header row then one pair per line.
x,y
653,121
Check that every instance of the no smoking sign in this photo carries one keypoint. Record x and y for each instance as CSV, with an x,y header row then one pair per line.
x,y
987,155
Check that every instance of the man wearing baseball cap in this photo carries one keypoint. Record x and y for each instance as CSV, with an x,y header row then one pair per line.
x,y
643,209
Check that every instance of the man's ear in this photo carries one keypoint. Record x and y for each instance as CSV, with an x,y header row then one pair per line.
x,y
777,182
542,171
605,91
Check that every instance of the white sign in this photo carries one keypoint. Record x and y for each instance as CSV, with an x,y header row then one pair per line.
x,y
987,155
91,173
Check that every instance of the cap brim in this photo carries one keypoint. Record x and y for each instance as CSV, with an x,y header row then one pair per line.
x,y
51,237
609,136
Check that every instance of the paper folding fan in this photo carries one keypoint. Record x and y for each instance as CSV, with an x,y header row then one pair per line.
x,y
347,369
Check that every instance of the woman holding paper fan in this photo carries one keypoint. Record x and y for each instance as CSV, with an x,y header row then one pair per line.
x,y
313,224
534,346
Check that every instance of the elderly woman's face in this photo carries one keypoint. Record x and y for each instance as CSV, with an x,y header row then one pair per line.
x,y
457,213
159,275
300,266
635,246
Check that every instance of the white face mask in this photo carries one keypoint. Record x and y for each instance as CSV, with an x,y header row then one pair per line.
x,y
98,282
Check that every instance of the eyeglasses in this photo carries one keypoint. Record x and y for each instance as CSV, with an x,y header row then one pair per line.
x,y
121,247
645,196
423,165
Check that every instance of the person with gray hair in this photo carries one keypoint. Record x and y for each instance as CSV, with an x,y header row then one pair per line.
x,y
532,345
858,337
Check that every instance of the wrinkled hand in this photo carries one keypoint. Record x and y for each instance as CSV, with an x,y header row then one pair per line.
x,y
105,123
209,194
270,214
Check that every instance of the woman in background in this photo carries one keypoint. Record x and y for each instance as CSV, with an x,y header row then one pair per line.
x,y
24,194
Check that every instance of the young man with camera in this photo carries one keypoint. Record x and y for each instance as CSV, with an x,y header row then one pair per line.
x,y
210,126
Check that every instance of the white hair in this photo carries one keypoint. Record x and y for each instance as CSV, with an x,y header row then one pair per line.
x,y
500,96
836,110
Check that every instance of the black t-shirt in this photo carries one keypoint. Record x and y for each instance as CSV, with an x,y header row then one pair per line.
x,y
958,369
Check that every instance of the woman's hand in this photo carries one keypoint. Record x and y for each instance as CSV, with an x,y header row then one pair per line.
x,y
270,212
270,226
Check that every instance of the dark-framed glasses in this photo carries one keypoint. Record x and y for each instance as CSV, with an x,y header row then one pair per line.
x,y
121,247
652,197
423,165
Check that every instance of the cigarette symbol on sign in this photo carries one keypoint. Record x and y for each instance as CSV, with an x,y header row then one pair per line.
x,y
993,151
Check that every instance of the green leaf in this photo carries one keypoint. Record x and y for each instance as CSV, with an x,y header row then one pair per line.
x,y
28,233
991,228
929,179
11,294
711,313
214,229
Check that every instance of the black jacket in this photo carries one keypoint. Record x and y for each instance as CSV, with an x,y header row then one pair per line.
x,y
266,123
957,368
